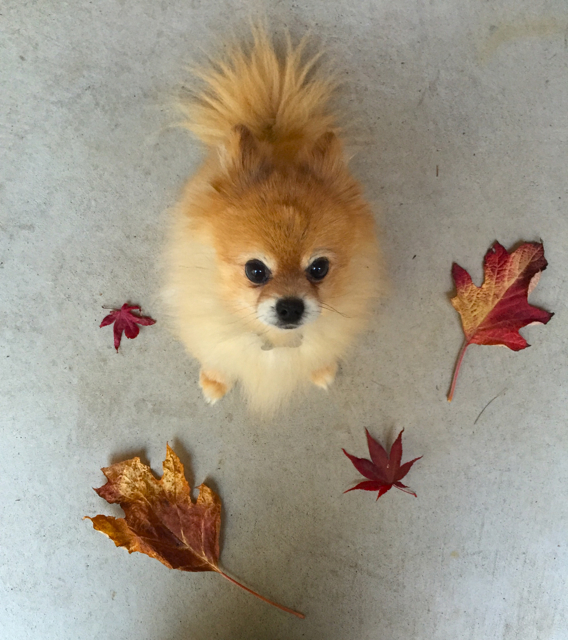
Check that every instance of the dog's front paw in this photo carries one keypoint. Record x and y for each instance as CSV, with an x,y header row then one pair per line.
x,y
213,385
324,378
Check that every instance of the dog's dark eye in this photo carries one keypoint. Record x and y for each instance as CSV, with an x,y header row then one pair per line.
x,y
318,269
257,272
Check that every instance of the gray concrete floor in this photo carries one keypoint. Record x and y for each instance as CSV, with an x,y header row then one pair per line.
x,y
87,168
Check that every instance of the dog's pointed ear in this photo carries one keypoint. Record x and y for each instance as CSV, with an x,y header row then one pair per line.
x,y
325,157
243,160
241,150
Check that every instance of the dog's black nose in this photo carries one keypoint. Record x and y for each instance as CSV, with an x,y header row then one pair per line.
x,y
289,310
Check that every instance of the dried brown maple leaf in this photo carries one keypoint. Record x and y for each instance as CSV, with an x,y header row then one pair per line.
x,y
162,521
383,471
493,313
127,322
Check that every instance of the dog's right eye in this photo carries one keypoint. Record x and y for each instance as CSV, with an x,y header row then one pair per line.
x,y
257,272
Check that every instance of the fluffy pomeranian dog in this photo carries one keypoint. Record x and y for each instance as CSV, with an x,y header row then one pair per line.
x,y
272,255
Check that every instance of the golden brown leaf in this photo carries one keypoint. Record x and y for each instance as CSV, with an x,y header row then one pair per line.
x,y
162,521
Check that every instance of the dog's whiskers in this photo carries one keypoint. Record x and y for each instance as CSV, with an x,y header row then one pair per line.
x,y
330,308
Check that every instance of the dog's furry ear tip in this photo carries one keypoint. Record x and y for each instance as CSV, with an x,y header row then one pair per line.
x,y
325,156
241,150
244,133
243,160
326,141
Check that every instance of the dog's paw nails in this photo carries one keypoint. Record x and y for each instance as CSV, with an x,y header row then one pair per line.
x,y
323,378
213,390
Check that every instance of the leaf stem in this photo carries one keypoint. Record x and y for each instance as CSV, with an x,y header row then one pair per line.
x,y
457,369
254,593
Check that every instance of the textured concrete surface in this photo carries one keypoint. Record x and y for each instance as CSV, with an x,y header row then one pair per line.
x,y
461,123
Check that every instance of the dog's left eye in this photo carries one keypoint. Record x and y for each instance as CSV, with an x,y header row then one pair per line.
x,y
257,272
318,269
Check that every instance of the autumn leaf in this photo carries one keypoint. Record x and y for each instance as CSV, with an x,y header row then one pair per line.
x,y
162,521
383,471
493,313
127,322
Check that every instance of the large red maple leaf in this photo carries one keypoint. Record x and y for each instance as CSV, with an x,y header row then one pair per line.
x,y
383,470
493,313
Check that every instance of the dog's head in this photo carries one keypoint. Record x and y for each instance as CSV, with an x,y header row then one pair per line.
x,y
293,237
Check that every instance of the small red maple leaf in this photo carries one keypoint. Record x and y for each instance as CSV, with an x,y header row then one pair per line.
x,y
127,322
384,471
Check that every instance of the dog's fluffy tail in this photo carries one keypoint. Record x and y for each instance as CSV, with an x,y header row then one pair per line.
x,y
280,99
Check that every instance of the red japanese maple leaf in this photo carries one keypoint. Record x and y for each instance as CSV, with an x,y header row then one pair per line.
x,y
127,322
384,471
493,313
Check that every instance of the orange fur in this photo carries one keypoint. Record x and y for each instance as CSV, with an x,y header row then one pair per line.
x,y
275,187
